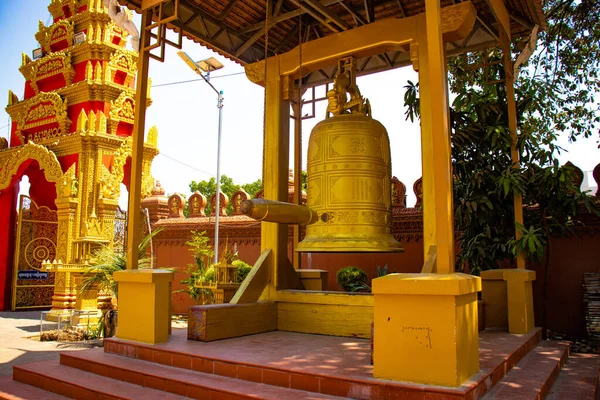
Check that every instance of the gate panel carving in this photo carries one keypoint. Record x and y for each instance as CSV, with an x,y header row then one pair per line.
x,y
36,242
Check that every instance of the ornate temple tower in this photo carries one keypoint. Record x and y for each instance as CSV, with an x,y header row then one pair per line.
x,y
71,135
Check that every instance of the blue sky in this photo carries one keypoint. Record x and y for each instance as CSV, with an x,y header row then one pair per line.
x,y
186,114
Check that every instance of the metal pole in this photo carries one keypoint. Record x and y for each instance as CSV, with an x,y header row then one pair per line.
x,y
218,198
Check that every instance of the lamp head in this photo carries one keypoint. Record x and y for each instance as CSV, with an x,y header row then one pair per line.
x,y
208,65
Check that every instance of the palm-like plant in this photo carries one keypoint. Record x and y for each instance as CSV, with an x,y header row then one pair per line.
x,y
107,261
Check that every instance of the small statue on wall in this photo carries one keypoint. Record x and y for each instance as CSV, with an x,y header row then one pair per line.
x,y
68,186
123,20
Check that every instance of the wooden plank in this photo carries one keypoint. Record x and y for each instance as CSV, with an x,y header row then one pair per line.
x,y
325,319
331,298
254,284
146,4
223,321
501,13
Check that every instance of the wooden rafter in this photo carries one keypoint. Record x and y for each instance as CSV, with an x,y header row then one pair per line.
x,y
402,12
328,14
284,17
226,10
370,10
316,15
357,18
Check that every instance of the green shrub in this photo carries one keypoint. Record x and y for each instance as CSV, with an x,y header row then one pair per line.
x,y
209,274
243,269
350,278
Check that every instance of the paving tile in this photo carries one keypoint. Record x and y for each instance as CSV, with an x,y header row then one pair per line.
x,y
182,361
310,383
276,378
251,374
203,365
225,369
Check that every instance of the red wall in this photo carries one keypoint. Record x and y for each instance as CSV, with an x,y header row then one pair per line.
x,y
570,258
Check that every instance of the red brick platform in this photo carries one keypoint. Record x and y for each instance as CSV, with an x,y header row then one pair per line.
x,y
285,365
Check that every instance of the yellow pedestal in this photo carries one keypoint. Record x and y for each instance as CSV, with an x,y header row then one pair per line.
x,y
313,279
508,298
144,305
426,328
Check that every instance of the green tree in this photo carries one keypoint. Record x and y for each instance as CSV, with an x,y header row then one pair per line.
x,y
561,78
252,188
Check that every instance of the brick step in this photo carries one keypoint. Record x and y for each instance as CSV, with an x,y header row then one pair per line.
x,y
533,376
77,384
578,379
12,390
183,381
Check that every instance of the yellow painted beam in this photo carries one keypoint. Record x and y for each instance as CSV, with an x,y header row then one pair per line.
x,y
325,319
256,281
137,147
385,35
332,298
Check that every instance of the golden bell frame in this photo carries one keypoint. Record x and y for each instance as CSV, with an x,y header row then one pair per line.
x,y
349,178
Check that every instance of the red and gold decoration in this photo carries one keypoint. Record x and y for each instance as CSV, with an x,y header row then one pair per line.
x,y
71,135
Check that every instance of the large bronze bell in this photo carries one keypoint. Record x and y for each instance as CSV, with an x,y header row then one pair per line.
x,y
349,178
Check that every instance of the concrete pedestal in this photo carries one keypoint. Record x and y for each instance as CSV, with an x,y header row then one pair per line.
x,y
144,305
508,298
313,279
426,328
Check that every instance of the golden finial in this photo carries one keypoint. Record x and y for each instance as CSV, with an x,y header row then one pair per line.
x,y
82,121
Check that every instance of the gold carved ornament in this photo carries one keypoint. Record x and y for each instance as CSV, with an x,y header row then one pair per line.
x,y
67,186
109,188
121,110
110,181
345,82
57,32
124,61
51,64
152,139
43,109
46,159
12,98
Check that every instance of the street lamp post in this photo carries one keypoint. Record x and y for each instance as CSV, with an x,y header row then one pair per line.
x,y
211,64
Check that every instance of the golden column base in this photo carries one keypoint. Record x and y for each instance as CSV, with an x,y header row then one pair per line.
x,y
67,298
144,305
426,328
508,298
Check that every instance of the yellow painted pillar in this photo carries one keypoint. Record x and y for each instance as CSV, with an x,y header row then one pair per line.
x,y
144,295
426,328
137,147
438,208
144,305
276,149
508,298
430,319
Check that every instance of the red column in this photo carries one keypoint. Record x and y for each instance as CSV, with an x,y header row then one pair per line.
x,y
8,214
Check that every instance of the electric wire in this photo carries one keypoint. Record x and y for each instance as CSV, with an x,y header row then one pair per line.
x,y
195,80
187,165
